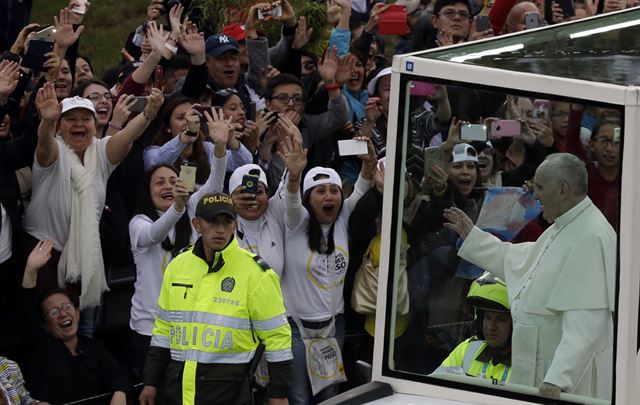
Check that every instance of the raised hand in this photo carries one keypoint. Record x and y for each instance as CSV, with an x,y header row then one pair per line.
x,y
39,256
302,35
557,13
155,10
192,118
21,40
542,132
286,125
345,66
156,37
122,110
293,156
156,98
180,195
9,74
65,35
378,176
369,160
175,14
459,221
475,35
47,103
288,14
191,40
219,127
52,66
328,66
377,9
373,109
444,38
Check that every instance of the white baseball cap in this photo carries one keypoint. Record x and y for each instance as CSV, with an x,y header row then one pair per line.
x,y
463,152
320,175
236,178
371,87
71,103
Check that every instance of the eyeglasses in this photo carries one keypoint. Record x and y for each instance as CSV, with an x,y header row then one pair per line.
x,y
55,312
226,92
97,96
603,140
451,14
285,98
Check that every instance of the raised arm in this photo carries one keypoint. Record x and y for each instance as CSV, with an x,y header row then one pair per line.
x,y
49,110
120,144
156,38
154,233
295,159
363,183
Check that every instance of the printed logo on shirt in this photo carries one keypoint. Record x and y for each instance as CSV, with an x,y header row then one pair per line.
x,y
327,271
228,284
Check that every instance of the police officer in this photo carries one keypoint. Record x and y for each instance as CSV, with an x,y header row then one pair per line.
x,y
488,354
218,302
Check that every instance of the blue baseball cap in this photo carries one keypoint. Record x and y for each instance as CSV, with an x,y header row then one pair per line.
x,y
218,44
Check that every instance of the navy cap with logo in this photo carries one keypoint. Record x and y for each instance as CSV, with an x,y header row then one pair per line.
x,y
213,204
218,44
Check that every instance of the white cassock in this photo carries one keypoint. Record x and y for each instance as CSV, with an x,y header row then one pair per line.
x,y
562,291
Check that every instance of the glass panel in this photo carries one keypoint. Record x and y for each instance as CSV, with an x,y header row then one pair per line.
x,y
544,313
605,49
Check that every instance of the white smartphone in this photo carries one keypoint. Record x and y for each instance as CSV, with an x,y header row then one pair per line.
x,y
473,132
351,147
80,7
188,176
46,34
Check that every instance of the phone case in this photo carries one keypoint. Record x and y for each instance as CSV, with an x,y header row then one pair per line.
x,y
541,109
188,176
531,20
483,23
423,89
35,57
393,21
158,79
505,128
432,157
567,7
139,105
250,183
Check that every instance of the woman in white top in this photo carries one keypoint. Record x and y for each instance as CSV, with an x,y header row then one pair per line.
x,y
161,229
316,252
260,222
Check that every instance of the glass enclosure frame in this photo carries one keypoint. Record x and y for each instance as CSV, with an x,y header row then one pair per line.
x,y
417,67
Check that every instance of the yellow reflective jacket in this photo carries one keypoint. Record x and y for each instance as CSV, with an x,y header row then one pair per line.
x,y
213,314
465,356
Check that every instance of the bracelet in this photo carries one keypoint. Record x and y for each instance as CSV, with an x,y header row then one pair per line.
x,y
114,126
331,87
144,114
174,37
173,49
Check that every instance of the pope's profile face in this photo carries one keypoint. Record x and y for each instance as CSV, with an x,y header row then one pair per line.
x,y
547,191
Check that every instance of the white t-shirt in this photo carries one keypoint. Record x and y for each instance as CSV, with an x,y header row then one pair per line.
x,y
150,257
5,236
48,216
309,278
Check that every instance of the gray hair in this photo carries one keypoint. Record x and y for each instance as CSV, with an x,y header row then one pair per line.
x,y
568,168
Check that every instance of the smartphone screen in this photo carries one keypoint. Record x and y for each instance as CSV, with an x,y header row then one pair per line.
x,y
80,7
473,132
188,177
352,147
139,105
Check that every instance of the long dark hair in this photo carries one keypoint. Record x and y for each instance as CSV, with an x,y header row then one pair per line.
x,y
314,230
199,154
146,207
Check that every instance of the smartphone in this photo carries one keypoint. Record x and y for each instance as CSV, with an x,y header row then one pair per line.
x,y
139,105
273,12
482,23
541,109
250,183
352,147
188,177
158,77
432,157
251,112
567,7
393,21
80,7
505,128
616,134
35,58
423,89
473,132
531,20
46,34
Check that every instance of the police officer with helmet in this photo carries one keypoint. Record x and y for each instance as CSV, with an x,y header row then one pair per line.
x,y
218,305
486,355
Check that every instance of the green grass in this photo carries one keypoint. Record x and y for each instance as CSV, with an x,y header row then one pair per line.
x,y
108,24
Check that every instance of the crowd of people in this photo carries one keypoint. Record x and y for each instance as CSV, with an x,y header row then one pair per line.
x,y
220,153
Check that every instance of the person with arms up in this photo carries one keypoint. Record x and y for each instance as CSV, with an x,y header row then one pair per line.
x,y
218,305
562,338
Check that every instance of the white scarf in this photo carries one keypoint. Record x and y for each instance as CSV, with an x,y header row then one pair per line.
x,y
81,258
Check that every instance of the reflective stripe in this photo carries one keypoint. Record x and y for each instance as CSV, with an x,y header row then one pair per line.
x,y
279,355
207,357
470,354
269,324
160,341
205,318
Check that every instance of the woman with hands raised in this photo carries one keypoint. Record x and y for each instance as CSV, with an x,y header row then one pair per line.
x,y
161,228
316,246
